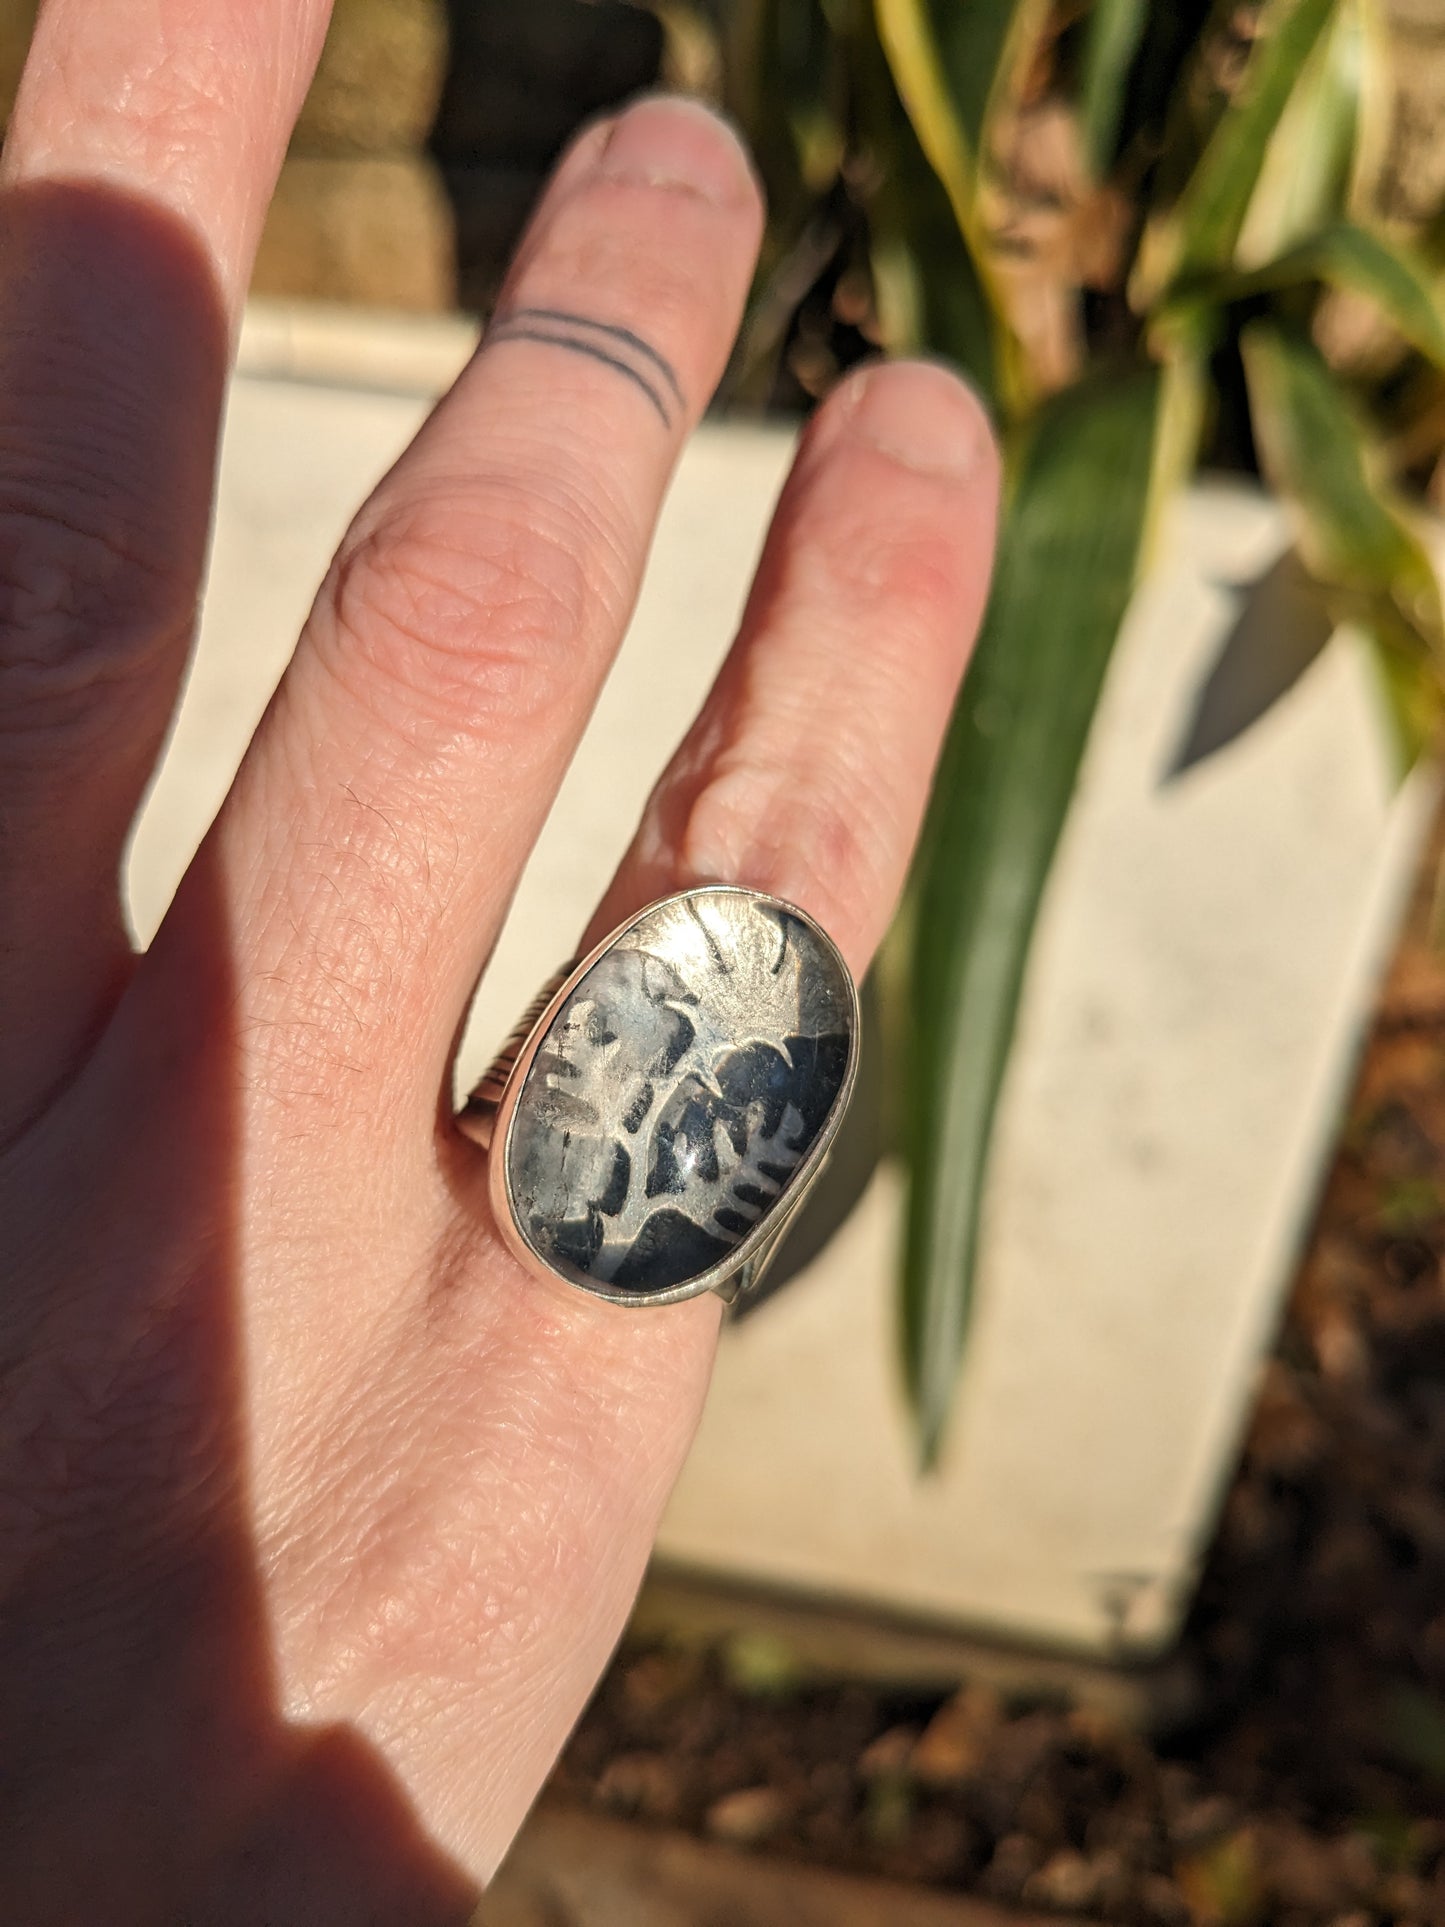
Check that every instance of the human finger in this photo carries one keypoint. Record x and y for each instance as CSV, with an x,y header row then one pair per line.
x,y
136,171
806,771
806,774
392,795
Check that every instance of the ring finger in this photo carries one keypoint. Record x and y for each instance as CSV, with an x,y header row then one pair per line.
x,y
805,775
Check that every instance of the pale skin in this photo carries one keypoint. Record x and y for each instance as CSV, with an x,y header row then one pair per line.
x,y
318,1517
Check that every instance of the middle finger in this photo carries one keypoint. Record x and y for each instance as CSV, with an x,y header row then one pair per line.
x,y
393,793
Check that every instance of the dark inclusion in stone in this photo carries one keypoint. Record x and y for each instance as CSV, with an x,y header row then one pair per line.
x,y
678,1092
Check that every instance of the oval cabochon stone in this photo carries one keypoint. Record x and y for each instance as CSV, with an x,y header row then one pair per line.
x,y
677,1092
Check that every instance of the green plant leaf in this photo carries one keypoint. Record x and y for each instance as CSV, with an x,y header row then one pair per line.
x,y
1155,98
1387,273
1112,37
950,64
787,85
1306,177
779,76
930,293
1410,688
1201,229
1354,535
927,284
1067,562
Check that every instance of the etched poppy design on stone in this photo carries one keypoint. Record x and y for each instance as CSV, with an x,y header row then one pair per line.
x,y
672,1104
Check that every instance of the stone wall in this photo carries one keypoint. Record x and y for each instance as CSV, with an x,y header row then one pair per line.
x,y
427,132
360,213
522,75
432,123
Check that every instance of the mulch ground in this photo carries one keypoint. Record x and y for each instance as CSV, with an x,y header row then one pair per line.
x,y
1309,1786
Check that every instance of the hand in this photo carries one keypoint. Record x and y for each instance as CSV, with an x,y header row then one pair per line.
x,y
320,1518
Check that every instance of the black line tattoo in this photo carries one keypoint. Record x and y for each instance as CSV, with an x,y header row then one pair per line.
x,y
555,328
616,331
508,331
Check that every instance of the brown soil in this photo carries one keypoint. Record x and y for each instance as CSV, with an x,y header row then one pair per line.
x,y
1310,1788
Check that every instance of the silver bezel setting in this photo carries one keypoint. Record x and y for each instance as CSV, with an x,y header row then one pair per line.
x,y
744,1264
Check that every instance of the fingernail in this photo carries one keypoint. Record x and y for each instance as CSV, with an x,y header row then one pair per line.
x,y
922,415
668,141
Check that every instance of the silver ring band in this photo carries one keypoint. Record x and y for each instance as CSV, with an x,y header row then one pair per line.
x,y
662,1108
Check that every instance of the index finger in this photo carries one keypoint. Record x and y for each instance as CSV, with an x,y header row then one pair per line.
x,y
186,106
135,176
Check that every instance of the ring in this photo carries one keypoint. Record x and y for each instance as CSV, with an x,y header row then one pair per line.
x,y
660,1111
